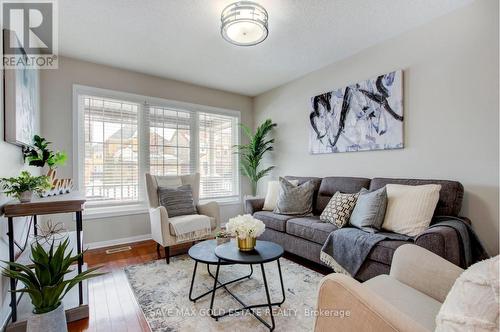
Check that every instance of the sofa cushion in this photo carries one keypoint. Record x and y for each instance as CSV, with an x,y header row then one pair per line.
x,y
273,190
384,250
330,185
472,302
273,220
315,181
310,228
338,211
295,199
410,208
450,195
416,305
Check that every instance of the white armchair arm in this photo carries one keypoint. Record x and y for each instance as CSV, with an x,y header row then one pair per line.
x,y
159,225
210,209
425,271
363,309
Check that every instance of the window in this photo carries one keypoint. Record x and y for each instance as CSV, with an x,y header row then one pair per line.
x,y
122,136
217,137
111,149
170,141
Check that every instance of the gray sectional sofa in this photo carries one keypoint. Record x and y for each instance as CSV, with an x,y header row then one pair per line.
x,y
304,236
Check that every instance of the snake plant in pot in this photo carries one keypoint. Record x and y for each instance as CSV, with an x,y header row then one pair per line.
x,y
252,153
45,283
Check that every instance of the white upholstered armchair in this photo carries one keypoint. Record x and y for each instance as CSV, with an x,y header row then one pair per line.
x,y
161,228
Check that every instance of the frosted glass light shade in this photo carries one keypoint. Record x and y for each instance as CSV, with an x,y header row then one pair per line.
x,y
244,23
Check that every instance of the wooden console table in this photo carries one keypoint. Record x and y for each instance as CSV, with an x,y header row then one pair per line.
x,y
68,203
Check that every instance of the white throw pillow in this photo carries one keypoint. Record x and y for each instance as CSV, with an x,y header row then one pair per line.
x,y
273,189
472,303
410,208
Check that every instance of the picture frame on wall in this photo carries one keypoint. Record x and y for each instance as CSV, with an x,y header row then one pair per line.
x,y
21,99
364,116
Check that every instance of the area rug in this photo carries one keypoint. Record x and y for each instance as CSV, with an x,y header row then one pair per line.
x,y
162,293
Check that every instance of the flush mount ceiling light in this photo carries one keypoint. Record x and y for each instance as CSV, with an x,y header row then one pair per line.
x,y
244,23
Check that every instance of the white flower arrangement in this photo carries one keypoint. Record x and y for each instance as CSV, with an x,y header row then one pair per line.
x,y
244,226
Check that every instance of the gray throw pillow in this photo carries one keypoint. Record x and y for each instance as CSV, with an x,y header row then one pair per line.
x,y
294,200
177,201
369,212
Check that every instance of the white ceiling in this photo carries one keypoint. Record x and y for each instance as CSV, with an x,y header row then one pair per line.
x,y
180,39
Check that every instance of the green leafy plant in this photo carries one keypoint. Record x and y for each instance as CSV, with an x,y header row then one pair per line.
x,y
15,186
40,154
44,281
251,154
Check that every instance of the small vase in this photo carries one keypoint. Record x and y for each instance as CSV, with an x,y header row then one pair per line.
x,y
247,244
222,240
54,321
26,196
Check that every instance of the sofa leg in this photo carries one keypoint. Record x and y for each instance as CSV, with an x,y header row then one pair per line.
x,y
167,254
158,251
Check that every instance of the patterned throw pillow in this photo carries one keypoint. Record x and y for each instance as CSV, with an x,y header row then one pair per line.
x,y
339,208
294,200
178,201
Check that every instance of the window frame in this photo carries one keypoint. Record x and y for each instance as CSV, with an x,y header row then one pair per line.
x,y
98,209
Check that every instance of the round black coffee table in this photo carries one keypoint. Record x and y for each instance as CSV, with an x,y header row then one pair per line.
x,y
264,252
203,252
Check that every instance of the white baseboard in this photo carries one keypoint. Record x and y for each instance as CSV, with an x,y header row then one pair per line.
x,y
115,242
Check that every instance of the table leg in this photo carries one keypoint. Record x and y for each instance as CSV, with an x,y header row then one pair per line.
x,y
35,228
213,292
192,282
271,328
79,251
281,282
13,297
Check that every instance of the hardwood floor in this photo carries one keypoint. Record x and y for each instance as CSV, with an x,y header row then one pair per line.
x,y
112,304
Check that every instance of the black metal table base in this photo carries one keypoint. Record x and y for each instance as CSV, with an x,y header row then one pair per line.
x,y
246,307
220,284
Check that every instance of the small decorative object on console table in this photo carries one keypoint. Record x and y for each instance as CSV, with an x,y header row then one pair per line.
x,y
39,155
23,186
246,228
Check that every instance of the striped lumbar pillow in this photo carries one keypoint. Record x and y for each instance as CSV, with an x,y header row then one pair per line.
x,y
410,208
177,201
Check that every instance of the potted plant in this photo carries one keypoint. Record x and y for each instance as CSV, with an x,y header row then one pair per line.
x,y
251,154
45,284
23,186
246,228
40,155
222,237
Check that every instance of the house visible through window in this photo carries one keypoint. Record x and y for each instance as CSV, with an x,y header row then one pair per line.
x,y
123,138
111,147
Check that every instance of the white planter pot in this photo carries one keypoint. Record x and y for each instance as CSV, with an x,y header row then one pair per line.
x,y
26,196
53,321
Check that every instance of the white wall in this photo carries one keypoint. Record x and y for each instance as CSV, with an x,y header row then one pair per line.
x,y
451,108
11,165
56,126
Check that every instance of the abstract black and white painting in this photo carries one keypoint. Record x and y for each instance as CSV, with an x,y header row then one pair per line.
x,y
359,117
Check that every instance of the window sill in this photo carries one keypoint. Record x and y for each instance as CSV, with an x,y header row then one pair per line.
x,y
101,212
97,212
222,202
